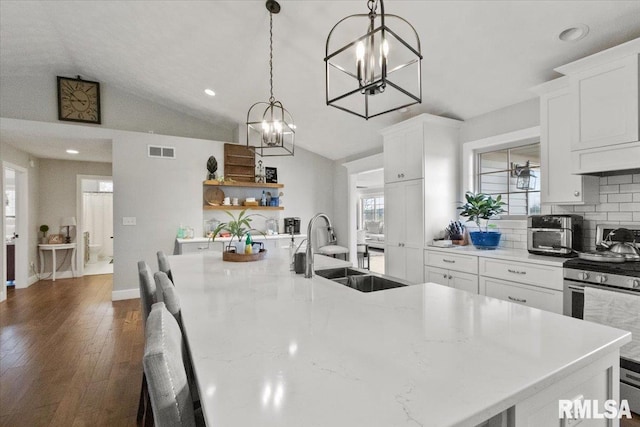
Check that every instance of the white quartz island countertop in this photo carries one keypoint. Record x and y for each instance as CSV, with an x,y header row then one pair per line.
x,y
271,348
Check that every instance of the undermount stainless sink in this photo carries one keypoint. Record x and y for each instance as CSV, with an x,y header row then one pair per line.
x,y
337,273
359,280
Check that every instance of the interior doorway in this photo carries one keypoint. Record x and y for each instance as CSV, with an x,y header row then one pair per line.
x,y
370,218
15,227
95,224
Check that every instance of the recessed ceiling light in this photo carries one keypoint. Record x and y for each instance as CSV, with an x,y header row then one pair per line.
x,y
210,92
575,33
70,151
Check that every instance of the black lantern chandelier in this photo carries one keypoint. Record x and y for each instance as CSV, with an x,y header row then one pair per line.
x,y
270,127
376,72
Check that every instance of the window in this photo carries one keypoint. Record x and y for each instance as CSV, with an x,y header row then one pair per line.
x,y
105,186
372,208
498,173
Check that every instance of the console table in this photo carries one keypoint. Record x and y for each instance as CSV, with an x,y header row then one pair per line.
x,y
54,248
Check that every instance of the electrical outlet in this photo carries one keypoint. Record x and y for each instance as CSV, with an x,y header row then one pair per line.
x,y
128,220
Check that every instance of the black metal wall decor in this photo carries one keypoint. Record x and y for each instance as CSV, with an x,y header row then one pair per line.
x,y
271,175
376,72
270,127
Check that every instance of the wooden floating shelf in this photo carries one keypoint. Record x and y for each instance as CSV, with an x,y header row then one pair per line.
x,y
244,184
239,208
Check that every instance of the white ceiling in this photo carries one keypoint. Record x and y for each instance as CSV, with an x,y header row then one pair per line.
x,y
479,56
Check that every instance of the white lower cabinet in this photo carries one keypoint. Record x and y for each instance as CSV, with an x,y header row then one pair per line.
x,y
519,293
453,279
404,263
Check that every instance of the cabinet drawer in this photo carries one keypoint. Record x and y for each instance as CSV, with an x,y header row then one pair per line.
x,y
464,263
190,248
532,274
544,299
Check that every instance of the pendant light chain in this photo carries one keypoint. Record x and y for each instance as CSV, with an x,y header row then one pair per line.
x,y
271,98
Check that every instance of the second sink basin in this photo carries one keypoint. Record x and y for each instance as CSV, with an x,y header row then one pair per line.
x,y
358,279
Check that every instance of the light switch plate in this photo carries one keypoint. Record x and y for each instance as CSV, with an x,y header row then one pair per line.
x,y
128,220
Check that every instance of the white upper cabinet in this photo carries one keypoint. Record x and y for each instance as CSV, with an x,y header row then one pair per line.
x,y
558,185
606,104
403,157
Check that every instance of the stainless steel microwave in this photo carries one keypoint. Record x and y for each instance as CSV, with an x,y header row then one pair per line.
x,y
557,235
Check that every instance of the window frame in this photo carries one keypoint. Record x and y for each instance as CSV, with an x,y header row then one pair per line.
x,y
471,149
361,198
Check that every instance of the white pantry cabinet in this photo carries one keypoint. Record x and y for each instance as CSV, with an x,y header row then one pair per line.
x,y
403,154
404,229
558,185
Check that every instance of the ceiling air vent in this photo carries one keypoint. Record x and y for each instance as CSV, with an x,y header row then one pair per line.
x,y
159,151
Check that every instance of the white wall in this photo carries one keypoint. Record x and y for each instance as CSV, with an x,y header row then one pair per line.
x,y
58,198
17,157
34,97
508,119
162,194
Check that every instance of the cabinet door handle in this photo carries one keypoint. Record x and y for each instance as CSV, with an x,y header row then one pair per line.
x,y
399,176
450,277
444,275
576,193
516,271
517,299
450,261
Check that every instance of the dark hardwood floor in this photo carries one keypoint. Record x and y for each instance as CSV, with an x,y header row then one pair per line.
x,y
69,356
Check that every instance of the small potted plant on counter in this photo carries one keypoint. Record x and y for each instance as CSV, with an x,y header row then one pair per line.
x,y
44,228
239,228
480,207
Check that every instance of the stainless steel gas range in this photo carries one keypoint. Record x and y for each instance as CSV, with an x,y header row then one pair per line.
x,y
610,275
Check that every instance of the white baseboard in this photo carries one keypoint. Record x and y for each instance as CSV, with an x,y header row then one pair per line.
x,y
30,281
59,275
125,294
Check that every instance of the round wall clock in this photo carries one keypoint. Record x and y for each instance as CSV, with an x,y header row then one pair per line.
x,y
78,100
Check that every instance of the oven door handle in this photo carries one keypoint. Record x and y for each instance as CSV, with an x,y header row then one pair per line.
x,y
580,289
576,288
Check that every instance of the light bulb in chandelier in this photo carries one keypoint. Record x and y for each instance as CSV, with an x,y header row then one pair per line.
x,y
366,68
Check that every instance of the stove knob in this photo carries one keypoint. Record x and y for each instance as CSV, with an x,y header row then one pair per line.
x,y
583,275
601,279
635,283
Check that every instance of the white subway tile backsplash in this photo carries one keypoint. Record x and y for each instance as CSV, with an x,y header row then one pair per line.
x,y
622,197
620,216
636,197
562,209
636,217
607,189
603,180
620,179
608,207
584,208
520,245
636,177
629,207
599,216
604,198
628,188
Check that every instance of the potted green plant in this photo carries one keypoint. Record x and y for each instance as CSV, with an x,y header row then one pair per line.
x,y
238,228
44,228
482,207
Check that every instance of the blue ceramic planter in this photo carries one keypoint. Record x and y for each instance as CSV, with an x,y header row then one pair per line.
x,y
485,240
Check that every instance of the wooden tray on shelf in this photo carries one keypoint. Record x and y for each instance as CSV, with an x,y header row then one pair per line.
x,y
213,196
239,163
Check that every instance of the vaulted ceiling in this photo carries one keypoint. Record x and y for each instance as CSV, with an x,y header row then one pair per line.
x,y
478,55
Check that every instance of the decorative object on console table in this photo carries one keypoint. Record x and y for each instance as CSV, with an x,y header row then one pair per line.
x,y
271,175
212,167
479,207
69,221
239,163
78,100
238,228
44,228
55,239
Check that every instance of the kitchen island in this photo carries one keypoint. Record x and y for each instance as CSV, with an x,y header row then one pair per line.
x,y
271,348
